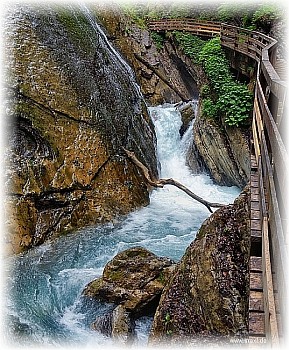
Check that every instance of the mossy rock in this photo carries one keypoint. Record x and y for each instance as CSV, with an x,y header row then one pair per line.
x,y
134,278
208,294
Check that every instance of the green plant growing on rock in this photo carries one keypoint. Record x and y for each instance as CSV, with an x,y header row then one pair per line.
x,y
223,97
158,39
190,44
208,108
168,323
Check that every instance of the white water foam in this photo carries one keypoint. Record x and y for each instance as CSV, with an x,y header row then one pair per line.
x,y
44,304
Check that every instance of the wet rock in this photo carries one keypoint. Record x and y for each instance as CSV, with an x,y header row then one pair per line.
x,y
134,278
131,40
103,324
72,104
117,324
187,111
122,325
223,151
208,295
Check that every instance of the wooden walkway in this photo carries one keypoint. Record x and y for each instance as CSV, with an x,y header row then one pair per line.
x,y
269,287
256,299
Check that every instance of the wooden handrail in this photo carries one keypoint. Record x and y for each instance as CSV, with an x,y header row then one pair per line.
x,y
271,155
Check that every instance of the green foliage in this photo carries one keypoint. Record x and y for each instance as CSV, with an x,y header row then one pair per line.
x,y
233,100
140,13
237,14
158,39
168,324
209,109
205,91
135,13
161,278
167,318
248,15
223,97
191,44
265,16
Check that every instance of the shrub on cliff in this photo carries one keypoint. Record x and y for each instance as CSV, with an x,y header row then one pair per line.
x,y
225,97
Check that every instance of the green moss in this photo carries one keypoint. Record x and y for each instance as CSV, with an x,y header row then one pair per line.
x,y
158,39
115,275
94,286
139,252
161,278
78,28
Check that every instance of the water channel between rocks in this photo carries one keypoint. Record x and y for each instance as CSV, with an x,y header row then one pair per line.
x,y
44,304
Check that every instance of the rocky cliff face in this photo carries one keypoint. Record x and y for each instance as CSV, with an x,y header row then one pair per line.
x,y
154,67
220,150
223,151
72,105
208,294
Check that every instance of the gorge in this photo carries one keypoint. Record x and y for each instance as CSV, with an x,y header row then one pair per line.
x,y
47,283
74,198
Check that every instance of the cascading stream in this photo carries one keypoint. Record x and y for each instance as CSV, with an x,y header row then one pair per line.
x,y
44,304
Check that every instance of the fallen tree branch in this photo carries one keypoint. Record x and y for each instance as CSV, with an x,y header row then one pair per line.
x,y
162,182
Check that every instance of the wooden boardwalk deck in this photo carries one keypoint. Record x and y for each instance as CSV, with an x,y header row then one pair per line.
x,y
256,300
258,320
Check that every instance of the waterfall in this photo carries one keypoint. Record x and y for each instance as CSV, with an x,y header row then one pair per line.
x,y
43,292
127,70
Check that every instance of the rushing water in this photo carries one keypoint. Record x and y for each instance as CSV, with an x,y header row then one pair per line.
x,y
44,304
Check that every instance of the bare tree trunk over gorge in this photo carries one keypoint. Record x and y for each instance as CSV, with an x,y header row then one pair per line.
x,y
162,182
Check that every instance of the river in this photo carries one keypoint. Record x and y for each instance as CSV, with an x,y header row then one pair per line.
x,y
43,290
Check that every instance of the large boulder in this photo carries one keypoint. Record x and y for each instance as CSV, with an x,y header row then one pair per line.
x,y
134,278
72,104
208,295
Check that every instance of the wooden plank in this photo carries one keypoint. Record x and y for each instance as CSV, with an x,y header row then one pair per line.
x,y
254,176
277,145
256,237
256,263
255,214
255,137
255,191
255,225
255,205
254,183
256,302
254,196
254,164
280,326
277,304
256,282
269,303
263,206
256,323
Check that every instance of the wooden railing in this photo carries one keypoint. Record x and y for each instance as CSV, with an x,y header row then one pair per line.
x,y
271,155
